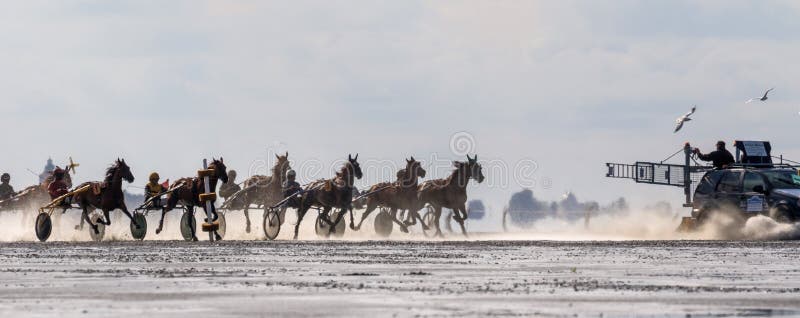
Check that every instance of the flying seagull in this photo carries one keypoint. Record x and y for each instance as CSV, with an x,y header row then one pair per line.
x,y
684,119
762,98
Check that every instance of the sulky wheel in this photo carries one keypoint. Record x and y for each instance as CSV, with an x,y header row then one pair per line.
x,y
429,219
101,229
383,223
320,227
44,226
273,219
138,234
186,226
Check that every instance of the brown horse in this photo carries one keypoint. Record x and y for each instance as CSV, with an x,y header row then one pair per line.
x,y
260,190
108,198
451,192
187,191
328,194
399,195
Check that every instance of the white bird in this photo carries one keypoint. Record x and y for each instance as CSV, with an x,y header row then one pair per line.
x,y
684,119
762,98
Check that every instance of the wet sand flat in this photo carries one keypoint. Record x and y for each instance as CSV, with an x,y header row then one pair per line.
x,y
399,278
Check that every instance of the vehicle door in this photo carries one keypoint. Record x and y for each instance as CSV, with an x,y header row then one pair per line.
x,y
729,190
754,188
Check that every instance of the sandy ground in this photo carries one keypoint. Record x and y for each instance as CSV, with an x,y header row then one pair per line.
x,y
399,278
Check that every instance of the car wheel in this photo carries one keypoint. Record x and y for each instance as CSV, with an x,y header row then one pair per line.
x,y
781,215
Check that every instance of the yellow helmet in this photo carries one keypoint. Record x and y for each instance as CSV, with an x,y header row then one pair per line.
x,y
154,176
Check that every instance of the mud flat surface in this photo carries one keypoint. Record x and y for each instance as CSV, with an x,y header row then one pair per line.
x,y
399,278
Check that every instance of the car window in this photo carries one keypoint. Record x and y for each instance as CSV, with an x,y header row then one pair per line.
x,y
706,185
752,180
783,179
730,182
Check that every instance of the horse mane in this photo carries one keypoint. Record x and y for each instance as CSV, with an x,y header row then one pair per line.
x,y
456,172
111,171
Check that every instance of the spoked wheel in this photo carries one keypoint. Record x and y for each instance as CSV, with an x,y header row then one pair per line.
x,y
429,220
101,229
383,223
44,226
273,219
186,227
138,234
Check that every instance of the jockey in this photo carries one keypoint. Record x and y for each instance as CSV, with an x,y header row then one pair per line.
x,y
153,188
227,189
6,191
59,187
291,188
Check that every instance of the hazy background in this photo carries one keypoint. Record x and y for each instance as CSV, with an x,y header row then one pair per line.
x,y
568,85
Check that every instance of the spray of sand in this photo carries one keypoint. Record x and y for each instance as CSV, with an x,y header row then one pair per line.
x,y
632,225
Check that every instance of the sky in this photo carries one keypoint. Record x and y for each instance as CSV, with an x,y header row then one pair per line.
x,y
544,92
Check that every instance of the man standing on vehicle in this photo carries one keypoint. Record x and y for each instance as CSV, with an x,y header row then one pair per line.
x,y
6,191
720,158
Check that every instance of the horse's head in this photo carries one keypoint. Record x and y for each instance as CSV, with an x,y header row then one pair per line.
x,y
354,167
124,171
415,169
220,171
475,169
281,166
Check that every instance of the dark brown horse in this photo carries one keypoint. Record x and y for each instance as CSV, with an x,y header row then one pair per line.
x,y
187,191
260,190
451,192
328,194
399,195
106,196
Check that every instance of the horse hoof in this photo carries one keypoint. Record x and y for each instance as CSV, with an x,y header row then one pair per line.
x,y
247,229
218,238
77,227
404,229
96,231
194,239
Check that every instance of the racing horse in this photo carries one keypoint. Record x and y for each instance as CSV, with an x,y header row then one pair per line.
x,y
450,192
261,190
187,191
106,196
328,194
398,195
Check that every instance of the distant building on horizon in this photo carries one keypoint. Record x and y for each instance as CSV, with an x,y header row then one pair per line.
x,y
48,169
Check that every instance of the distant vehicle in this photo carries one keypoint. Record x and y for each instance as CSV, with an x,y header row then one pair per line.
x,y
749,191
476,210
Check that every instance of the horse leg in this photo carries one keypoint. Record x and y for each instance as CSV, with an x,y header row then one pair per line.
x,y
190,209
300,214
172,200
370,207
461,219
216,217
129,215
86,217
247,219
437,215
336,222
403,227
